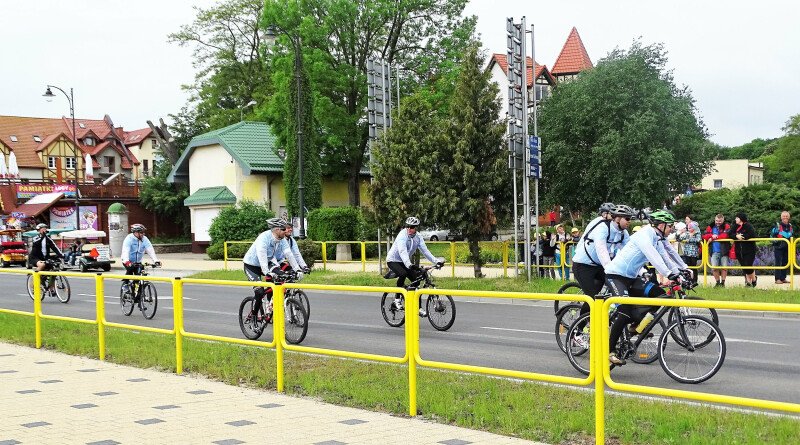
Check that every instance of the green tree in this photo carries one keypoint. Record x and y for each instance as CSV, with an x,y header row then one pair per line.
x,y
163,198
622,131
792,126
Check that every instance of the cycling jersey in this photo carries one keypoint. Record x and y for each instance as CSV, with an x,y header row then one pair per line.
x,y
264,252
133,249
41,249
295,252
600,243
404,246
645,245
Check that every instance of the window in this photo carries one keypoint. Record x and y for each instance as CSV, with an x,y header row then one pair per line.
x,y
51,162
82,125
37,138
718,183
109,164
71,163
144,166
88,141
13,138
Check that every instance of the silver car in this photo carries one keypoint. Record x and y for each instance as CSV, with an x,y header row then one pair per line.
x,y
434,234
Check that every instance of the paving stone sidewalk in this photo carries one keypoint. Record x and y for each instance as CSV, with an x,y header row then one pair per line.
x,y
52,398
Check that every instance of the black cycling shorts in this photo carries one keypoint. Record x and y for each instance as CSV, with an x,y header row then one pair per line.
x,y
634,287
590,278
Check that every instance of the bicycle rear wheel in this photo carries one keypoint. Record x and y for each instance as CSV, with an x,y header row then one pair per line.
x,y
29,285
647,351
394,316
691,364
709,313
564,318
301,298
441,311
148,301
570,288
62,289
295,321
126,300
252,319
577,343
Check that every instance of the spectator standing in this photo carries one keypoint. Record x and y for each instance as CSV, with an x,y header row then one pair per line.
x,y
559,241
548,255
718,230
745,250
552,217
691,240
782,229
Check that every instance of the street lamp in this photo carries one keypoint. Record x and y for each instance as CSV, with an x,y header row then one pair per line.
x,y
241,110
271,36
49,95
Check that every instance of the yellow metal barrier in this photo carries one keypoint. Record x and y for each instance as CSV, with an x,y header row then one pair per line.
x,y
791,263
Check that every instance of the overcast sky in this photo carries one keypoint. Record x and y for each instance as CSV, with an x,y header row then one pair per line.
x,y
741,59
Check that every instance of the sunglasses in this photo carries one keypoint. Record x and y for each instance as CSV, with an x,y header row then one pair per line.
x,y
626,218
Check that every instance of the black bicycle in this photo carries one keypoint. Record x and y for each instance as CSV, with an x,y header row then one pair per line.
x,y
441,309
691,349
139,293
254,317
54,285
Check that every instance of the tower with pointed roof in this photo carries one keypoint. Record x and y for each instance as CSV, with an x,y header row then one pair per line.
x,y
573,58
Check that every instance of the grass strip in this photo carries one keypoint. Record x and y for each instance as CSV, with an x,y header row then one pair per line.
x,y
552,414
520,284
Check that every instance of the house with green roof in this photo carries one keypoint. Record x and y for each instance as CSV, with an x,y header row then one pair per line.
x,y
240,161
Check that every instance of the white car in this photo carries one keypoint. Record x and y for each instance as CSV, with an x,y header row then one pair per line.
x,y
434,234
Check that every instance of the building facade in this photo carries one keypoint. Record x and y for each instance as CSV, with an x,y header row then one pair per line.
x,y
732,174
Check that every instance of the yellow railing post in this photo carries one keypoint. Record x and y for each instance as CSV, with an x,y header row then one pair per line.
x,y
412,345
792,259
278,333
505,259
177,319
100,298
563,250
363,256
596,339
706,260
225,254
324,255
37,308
452,259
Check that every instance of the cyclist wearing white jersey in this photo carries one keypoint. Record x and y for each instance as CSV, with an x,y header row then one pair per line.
x,y
295,249
622,274
399,257
263,257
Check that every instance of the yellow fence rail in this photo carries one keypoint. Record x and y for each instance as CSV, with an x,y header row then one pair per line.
x,y
599,348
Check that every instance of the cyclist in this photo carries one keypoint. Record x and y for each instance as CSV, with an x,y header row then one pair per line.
x,y
135,245
42,248
649,244
262,259
598,245
295,249
605,210
399,257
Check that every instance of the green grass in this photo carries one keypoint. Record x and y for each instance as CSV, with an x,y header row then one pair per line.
x,y
547,413
737,293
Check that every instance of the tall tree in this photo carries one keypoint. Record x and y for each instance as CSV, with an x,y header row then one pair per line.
x,y
622,131
783,164
339,36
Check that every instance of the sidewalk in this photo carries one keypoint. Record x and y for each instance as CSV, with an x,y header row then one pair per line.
x,y
49,397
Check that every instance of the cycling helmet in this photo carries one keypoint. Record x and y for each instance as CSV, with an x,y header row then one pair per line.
x,y
605,208
412,221
662,216
41,226
138,228
276,223
622,210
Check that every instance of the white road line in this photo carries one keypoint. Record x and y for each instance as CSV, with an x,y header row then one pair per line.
x,y
741,340
517,330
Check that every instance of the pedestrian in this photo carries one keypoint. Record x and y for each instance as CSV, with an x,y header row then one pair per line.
x,y
691,241
783,229
719,250
548,253
552,217
745,250
559,240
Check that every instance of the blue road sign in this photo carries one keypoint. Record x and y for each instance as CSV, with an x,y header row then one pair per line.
x,y
534,142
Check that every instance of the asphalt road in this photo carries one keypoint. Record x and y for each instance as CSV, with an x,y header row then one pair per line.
x,y
761,362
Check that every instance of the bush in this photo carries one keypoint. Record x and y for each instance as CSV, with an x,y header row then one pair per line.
x,y
310,250
245,221
216,251
335,223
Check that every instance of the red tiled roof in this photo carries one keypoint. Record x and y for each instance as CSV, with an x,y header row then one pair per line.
x,y
501,60
573,57
137,136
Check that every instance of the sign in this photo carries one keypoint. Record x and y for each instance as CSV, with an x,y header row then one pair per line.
x,y
535,171
27,191
64,217
534,142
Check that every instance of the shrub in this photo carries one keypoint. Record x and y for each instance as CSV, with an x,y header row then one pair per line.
x,y
245,221
216,251
310,250
335,224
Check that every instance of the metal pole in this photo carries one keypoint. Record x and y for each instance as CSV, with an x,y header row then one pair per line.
x,y
397,70
516,222
298,65
536,133
77,150
526,194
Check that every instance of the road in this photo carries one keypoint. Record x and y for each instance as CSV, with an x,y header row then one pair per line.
x,y
761,362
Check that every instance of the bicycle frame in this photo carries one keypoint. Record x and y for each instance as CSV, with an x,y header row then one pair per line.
x,y
678,293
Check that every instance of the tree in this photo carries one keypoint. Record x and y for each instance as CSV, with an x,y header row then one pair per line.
x,y
792,126
163,198
622,132
339,36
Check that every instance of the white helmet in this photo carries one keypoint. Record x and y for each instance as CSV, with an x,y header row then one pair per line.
x,y
412,221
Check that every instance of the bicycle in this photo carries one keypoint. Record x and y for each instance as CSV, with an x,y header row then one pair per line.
x,y
253,319
59,284
699,343
441,309
139,292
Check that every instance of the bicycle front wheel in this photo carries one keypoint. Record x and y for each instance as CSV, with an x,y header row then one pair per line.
x,y
441,311
252,320
577,343
709,313
62,289
295,322
394,314
148,300
301,298
126,301
570,288
692,364
564,319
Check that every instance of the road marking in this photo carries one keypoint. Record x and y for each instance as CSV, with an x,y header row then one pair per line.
x,y
741,340
516,330
160,297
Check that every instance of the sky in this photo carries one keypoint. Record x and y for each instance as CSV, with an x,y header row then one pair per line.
x,y
740,59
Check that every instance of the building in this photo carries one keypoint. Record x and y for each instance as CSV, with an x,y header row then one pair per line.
x,y
238,162
732,174
572,59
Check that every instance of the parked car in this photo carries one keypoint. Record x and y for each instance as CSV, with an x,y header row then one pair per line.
x,y
434,234
456,235
12,248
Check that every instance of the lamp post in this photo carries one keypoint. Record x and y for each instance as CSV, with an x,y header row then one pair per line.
x,y
271,36
49,95
241,110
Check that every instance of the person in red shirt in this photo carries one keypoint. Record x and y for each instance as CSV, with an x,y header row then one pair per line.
x,y
719,251
552,216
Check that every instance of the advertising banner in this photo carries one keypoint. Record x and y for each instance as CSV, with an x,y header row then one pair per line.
x,y
64,217
27,191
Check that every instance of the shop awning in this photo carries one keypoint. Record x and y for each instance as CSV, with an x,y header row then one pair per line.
x,y
38,204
